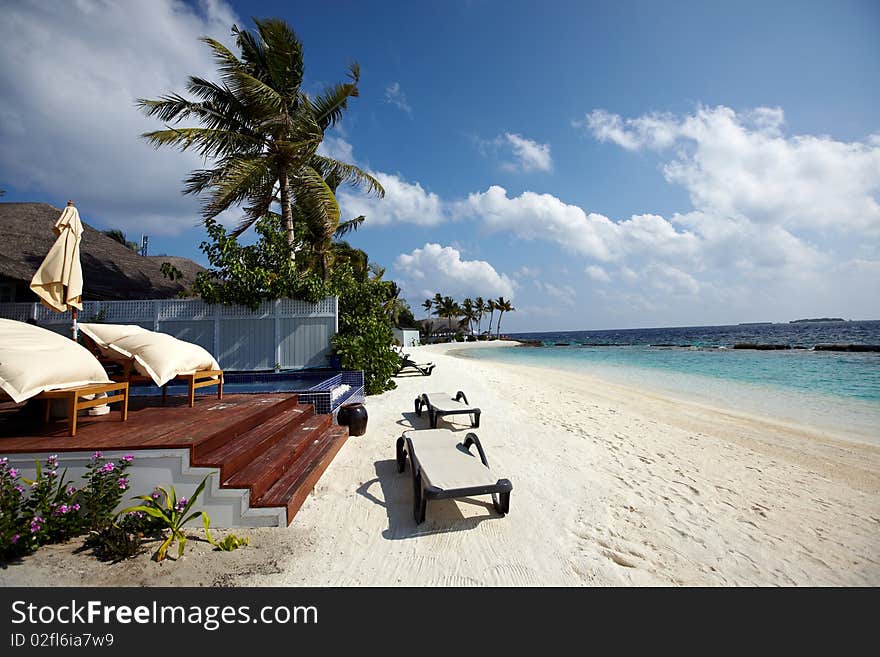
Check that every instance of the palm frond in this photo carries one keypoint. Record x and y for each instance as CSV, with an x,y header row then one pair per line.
x,y
333,101
348,226
343,173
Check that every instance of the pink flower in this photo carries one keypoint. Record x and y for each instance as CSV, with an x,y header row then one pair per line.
x,y
15,538
181,504
19,488
98,455
155,495
127,458
71,490
13,473
36,524
123,483
107,467
75,507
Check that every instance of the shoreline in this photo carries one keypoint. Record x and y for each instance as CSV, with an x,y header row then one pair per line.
x,y
707,402
611,487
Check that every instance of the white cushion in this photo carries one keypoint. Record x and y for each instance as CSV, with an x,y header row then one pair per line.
x,y
446,464
34,359
445,401
162,357
105,334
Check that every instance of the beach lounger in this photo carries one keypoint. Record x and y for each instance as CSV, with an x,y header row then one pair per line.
x,y
423,368
38,363
439,404
153,357
444,468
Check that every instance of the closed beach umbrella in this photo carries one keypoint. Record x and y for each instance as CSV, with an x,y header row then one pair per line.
x,y
59,281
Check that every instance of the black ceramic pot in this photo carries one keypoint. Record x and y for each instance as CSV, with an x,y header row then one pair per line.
x,y
354,416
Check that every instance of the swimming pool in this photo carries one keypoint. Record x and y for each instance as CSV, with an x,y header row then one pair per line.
x,y
326,389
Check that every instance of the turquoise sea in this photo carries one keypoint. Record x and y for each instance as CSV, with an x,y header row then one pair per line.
x,y
836,391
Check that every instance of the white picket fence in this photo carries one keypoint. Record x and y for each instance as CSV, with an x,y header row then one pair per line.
x,y
286,333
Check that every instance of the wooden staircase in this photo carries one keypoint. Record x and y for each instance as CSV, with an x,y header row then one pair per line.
x,y
278,454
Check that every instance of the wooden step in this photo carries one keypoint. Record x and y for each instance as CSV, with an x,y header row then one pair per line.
x,y
294,486
231,432
270,465
236,453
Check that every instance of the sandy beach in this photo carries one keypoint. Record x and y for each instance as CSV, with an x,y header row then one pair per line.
x,y
612,486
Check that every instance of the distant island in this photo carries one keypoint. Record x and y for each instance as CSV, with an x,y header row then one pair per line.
x,y
757,323
817,320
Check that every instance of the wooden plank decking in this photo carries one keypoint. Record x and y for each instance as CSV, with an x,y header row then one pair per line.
x,y
268,443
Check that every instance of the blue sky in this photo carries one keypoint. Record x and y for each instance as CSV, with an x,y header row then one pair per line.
x,y
605,165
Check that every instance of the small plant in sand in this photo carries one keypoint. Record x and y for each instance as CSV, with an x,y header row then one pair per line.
x,y
230,542
173,513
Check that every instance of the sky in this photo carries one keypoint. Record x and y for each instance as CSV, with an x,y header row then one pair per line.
x,y
602,164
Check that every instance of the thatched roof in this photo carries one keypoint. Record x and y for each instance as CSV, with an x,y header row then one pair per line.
x,y
110,270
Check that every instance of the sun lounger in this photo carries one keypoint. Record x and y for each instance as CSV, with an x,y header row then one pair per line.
x,y
444,468
423,368
158,358
37,363
439,404
76,400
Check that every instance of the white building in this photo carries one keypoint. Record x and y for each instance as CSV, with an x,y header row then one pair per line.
x,y
407,337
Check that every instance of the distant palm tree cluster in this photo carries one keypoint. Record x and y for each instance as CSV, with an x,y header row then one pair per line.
x,y
468,313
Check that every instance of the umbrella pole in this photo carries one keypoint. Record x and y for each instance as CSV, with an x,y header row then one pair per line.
x,y
75,332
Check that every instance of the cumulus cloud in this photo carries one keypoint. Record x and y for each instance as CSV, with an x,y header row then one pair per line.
x,y
743,165
394,95
70,74
404,202
435,268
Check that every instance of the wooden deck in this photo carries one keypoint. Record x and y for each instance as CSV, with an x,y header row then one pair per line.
x,y
268,443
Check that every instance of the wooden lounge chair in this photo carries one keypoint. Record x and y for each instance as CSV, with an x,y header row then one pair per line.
x,y
439,404
444,468
134,354
76,400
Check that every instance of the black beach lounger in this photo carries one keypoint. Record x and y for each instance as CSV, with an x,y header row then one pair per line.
x,y
444,468
443,403
423,368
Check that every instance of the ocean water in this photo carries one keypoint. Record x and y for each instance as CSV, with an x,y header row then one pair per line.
x,y
835,391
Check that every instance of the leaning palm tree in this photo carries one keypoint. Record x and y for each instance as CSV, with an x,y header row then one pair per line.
x,y
261,130
427,304
478,309
491,307
503,306
469,314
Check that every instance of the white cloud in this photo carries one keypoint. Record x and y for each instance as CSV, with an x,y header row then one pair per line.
x,y
394,95
517,153
529,155
337,148
434,268
742,165
404,202
598,274
70,74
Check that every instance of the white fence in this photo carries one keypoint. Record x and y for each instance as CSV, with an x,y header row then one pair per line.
x,y
286,333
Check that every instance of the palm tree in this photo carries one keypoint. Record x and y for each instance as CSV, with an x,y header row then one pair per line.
x,y
503,306
261,131
427,304
478,309
490,306
448,309
469,314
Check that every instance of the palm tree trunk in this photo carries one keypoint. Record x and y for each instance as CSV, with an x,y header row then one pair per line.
x,y
498,334
287,211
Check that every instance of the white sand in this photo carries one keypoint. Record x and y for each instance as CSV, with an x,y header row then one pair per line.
x,y
612,486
